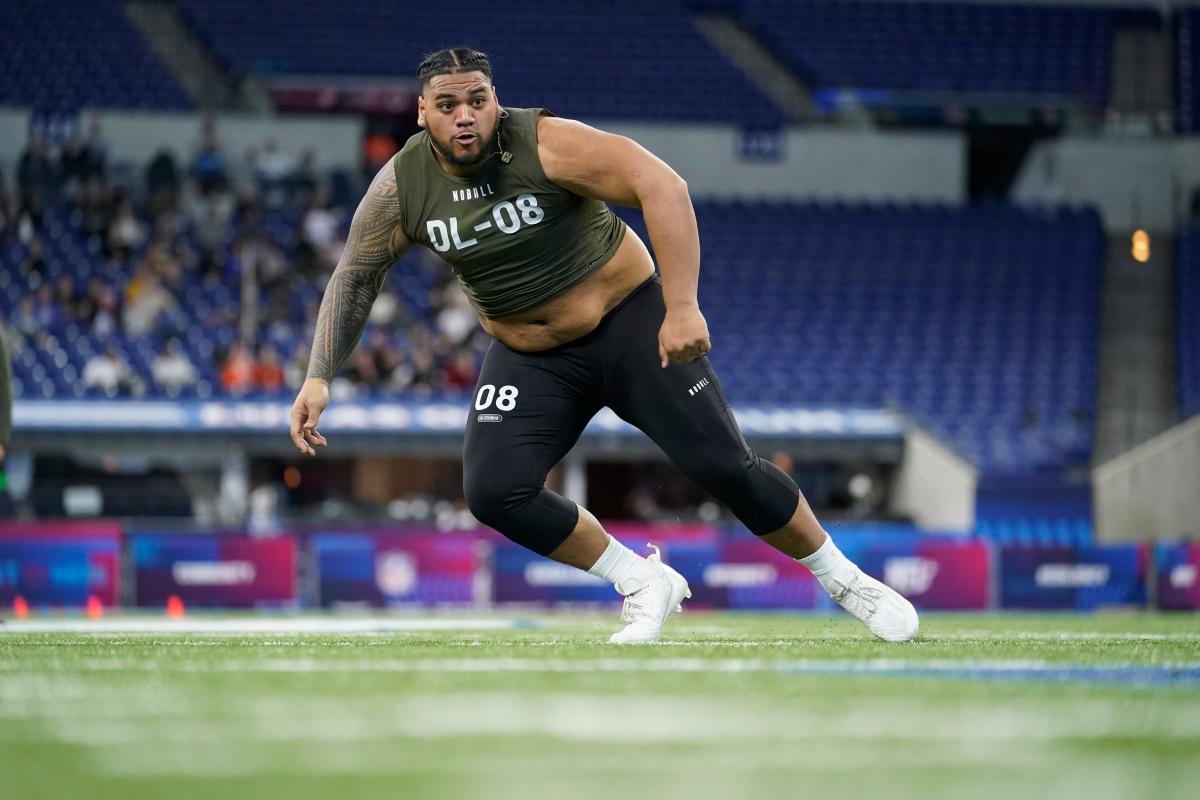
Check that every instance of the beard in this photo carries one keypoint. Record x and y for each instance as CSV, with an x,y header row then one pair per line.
x,y
488,148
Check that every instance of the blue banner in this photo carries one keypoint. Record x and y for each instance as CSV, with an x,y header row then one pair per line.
x,y
1078,578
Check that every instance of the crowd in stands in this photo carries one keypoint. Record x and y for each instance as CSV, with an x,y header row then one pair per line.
x,y
221,277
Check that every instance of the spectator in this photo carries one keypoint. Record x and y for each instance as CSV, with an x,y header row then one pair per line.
x,y
385,357
208,165
208,216
24,322
35,180
45,310
321,241
126,233
97,150
362,371
145,301
98,308
73,168
425,375
96,209
456,320
304,180
162,182
172,370
460,374
237,375
273,170
66,299
33,267
109,373
296,369
268,370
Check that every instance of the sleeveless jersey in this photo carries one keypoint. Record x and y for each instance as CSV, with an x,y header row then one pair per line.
x,y
514,238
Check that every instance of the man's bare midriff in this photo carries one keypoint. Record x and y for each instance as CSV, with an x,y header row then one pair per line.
x,y
577,311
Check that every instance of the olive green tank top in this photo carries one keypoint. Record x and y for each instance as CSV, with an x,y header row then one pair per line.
x,y
514,238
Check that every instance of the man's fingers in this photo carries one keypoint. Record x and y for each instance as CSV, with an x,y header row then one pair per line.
x,y
297,421
300,432
302,445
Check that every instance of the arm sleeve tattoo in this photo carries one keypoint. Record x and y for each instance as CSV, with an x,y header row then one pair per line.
x,y
371,249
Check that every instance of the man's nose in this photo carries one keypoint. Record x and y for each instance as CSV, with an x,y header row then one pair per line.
x,y
465,116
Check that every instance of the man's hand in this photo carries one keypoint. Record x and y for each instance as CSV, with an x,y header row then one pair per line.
x,y
312,400
683,336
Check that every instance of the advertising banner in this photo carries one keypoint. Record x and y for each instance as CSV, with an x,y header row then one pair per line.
x,y
936,573
521,576
1080,578
388,568
213,570
59,564
741,572
1177,565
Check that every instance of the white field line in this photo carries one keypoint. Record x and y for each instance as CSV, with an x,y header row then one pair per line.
x,y
238,627
384,626
1049,636
874,666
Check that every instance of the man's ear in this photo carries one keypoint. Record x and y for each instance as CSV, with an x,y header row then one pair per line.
x,y
421,112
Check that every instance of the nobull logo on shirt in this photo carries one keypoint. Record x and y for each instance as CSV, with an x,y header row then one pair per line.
x,y
473,193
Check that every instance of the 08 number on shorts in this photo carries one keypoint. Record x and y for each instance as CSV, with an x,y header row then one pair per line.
x,y
505,398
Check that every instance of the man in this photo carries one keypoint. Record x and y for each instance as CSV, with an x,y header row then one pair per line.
x,y
514,199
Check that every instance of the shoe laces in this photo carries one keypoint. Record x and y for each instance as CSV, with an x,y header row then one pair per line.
x,y
865,598
635,602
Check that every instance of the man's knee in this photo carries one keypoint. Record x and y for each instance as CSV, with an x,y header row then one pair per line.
x,y
760,494
493,497
720,473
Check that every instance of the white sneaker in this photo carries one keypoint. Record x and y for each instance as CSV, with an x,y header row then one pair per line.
x,y
884,611
648,608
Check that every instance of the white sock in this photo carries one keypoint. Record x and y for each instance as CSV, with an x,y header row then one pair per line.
x,y
626,569
829,565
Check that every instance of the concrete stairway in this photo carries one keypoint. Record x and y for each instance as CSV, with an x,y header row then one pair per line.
x,y
1136,396
185,56
1142,71
761,66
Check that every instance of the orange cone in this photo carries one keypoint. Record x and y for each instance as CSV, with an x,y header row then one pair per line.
x,y
175,608
20,607
95,609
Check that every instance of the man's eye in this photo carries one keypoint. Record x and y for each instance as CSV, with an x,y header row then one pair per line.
x,y
479,101
444,106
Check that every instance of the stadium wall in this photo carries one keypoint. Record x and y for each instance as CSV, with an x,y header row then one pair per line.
x,y
336,141
1143,184
723,161
935,486
1150,491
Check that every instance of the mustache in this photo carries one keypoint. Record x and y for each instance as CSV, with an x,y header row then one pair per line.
x,y
446,149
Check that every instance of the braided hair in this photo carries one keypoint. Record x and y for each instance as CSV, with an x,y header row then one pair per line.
x,y
452,60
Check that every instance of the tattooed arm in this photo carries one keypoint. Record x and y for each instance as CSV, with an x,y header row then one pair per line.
x,y
375,242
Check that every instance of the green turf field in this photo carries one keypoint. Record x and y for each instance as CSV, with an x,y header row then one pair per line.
x,y
728,706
